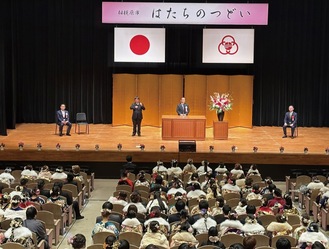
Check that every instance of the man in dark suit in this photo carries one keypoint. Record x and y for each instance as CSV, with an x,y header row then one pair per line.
x,y
182,108
63,118
129,166
137,115
290,121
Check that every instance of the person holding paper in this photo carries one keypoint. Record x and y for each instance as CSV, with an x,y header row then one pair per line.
x,y
137,107
63,118
182,108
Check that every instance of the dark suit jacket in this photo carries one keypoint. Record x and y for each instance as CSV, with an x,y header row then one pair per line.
x,y
137,111
290,120
182,109
61,118
129,166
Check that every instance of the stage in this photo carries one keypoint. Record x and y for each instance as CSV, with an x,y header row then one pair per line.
x,y
267,139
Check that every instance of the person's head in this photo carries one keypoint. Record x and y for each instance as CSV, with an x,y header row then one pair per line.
x,y
182,100
132,207
213,231
203,204
158,179
236,246
41,183
59,169
226,209
31,213
250,209
220,201
243,202
16,222
154,226
305,219
283,243
183,214
129,158
288,201
78,241
281,218
45,168
318,245
277,192
76,169
15,201
271,187
136,99
28,167
179,205
107,205
255,188
196,186
141,176
186,246
124,174
238,166
291,108
313,227
155,212
174,163
70,177
151,246
232,215
7,170
109,241
185,226
195,177
253,166
131,214
122,195
268,180
59,185
249,242
55,192
190,161
62,107
23,181
135,197
248,181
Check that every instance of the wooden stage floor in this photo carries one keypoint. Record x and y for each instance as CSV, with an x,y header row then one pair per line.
x,y
267,139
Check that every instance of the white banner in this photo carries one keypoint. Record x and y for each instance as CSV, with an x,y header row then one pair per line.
x,y
228,46
139,45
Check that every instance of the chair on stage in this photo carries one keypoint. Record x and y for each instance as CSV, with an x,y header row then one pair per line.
x,y
81,119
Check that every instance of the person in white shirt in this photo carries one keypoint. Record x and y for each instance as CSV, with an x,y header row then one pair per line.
x,y
29,173
237,172
189,167
230,187
59,174
155,215
203,224
121,199
7,177
232,223
196,192
252,227
312,235
18,233
174,169
204,168
135,199
315,184
253,170
156,201
221,169
176,187
15,210
160,169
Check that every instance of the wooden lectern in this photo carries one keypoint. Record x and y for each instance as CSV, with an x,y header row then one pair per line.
x,y
220,130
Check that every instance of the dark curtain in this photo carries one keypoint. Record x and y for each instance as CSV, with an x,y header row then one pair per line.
x,y
58,51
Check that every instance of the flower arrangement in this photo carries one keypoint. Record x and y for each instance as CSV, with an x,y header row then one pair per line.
x,y
2,146
281,149
77,146
327,150
119,146
162,147
21,144
221,102
211,148
96,147
58,146
234,148
39,146
255,149
142,146
305,150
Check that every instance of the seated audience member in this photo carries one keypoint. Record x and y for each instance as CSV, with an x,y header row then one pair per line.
x,y
59,174
109,242
184,235
7,177
280,226
251,226
237,172
231,225
253,171
14,209
236,246
156,200
194,179
318,245
124,180
135,199
160,169
204,168
105,225
289,208
4,203
19,234
213,239
129,165
76,174
221,169
155,215
131,223
186,246
44,173
184,218
57,199
158,185
189,168
195,192
311,235
113,217
304,222
212,189
315,184
204,222
224,216
269,186
35,225
29,173
277,200
247,189
176,187
230,187
264,209
241,208
78,241
196,210
175,211
35,197
205,184
121,199
249,242
251,210
255,193
18,191
174,170
25,191
141,180
218,208
283,243
154,236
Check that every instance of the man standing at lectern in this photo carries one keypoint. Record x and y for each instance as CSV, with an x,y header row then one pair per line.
x,y
63,118
182,108
137,115
290,120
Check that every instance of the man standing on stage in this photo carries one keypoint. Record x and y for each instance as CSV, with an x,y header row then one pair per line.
x,y
137,115
63,118
182,108
290,120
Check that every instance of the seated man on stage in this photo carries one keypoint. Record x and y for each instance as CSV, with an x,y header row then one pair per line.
x,y
182,108
63,118
290,121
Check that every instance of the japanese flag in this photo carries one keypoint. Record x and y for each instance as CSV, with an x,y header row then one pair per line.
x,y
139,45
228,46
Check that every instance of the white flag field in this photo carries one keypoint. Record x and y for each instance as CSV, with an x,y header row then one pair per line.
x,y
228,46
139,45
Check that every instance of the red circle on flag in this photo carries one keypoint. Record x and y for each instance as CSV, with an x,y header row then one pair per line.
x,y
139,44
